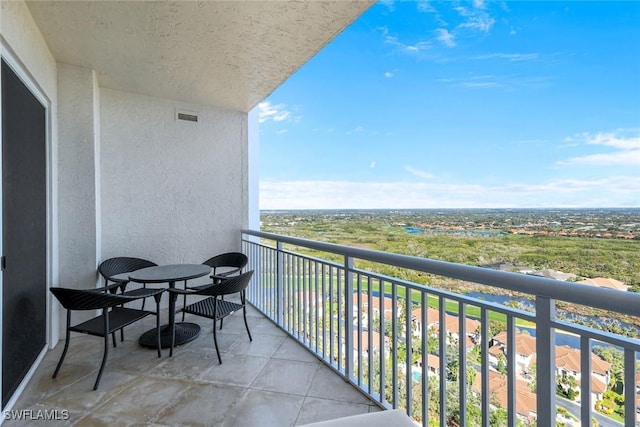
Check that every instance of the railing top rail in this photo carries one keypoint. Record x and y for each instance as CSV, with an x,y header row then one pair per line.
x,y
606,299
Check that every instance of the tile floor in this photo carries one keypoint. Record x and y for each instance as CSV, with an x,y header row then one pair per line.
x,y
272,381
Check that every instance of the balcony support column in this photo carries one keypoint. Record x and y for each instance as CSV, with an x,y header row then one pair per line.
x,y
545,353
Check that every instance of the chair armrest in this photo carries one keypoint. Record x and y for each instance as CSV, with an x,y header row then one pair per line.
x,y
112,288
221,277
199,291
179,291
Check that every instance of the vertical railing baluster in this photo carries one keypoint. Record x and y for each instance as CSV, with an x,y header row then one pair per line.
x,y
340,336
442,335
316,305
425,357
291,306
348,314
370,333
545,353
324,311
585,380
630,387
280,297
462,362
303,298
331,303
511,372
359,320
409,355
394,338
484,365
383,370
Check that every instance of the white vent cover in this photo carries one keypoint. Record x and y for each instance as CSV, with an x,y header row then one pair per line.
x,y
187,116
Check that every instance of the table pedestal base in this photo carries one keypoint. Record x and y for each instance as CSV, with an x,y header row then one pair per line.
x,y
185,332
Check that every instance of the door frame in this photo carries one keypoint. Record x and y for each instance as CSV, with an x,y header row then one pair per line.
x,y
51,333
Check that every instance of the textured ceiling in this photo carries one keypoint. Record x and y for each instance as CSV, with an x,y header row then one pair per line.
x,y
230,54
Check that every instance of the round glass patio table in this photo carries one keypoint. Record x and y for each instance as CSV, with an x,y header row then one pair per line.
x,y
170,274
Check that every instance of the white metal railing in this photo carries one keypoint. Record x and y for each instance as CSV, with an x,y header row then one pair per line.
x,y
328,306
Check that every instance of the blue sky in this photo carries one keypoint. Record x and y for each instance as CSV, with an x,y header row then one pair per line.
x,y
462,105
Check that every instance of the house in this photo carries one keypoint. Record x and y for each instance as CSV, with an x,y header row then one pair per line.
x,y
377,305
568,363
452,325
366,346
525,349
498,388
605,282
132,131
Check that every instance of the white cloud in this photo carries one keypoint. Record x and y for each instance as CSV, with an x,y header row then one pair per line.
x,y
626,150
475,19
445,37
511,57
388,74
616,191
356,129
404,47
479,4
388,4
268,111
281,131
419,173
425,6
372,164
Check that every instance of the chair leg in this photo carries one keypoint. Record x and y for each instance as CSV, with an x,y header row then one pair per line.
x,y
172,320
222,298
157,298
215,342
106,347
246,325
184,303
144,285
66,346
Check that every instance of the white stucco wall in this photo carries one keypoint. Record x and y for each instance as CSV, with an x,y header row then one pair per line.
x,y
172,191
253,175
78,93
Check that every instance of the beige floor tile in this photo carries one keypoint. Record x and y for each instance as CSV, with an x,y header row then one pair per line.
x,y
80,395
291,350
201,405
143,399
236,369
185,365
315,409
265,409
262,345
286,376
328,385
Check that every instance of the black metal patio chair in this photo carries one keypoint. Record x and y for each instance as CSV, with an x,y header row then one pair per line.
x,y
114,316
223,265
214,307
114,269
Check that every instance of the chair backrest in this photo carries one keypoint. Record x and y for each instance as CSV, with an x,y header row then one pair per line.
x,y
118,265
232,285
86,299
236,260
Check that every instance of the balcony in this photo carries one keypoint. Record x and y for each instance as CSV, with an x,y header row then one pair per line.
x,y
307,363
272,381
332,300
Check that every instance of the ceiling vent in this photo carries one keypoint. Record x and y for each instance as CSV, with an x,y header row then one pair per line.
x,y
187,116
